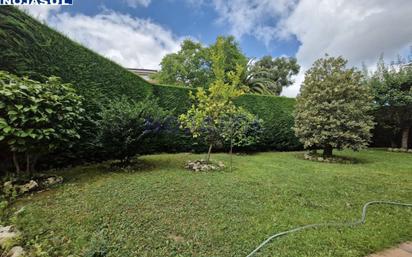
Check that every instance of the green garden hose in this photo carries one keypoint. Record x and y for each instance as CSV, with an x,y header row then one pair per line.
x,y
332,224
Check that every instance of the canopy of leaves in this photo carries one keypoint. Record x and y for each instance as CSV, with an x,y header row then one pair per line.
x,y
392,91
188,67
192,65
270,75
241,128
125,124
205,116
333,108
36,117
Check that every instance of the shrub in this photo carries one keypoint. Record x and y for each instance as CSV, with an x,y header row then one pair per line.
x,y
37,118
125,124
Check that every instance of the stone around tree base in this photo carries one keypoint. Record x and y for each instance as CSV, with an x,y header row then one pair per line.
x,y
8,235
16,251
202,165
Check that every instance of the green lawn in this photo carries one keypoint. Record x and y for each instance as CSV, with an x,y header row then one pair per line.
x,y
165,210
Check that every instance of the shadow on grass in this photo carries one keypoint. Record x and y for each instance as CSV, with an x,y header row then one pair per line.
x,y
338,159
92,172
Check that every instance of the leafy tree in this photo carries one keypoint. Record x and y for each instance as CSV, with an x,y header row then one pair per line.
x,y
240,128
232,53
36,118
270,75
205,116
188,67
192,65
392,90
333,108
125,125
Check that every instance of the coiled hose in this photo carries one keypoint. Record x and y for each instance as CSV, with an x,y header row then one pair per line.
x,y
332,224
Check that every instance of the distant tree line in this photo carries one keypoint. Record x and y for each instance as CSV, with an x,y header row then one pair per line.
x,y
192,65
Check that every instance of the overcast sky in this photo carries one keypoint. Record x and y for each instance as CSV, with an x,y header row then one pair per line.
x,y
138,33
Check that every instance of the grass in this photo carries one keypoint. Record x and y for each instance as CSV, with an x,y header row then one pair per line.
x,y
164,210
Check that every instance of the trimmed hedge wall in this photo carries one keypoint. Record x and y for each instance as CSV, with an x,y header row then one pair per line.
x,y
276,113
31,48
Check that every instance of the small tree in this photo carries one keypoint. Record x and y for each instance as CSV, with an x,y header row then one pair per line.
x,y
205,115
333,108
125,124
240,128
392,91
36,118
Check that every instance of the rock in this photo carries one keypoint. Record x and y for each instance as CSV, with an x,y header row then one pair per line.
x,y
8,188
7,235
202,165
51,181
8,184
28,187
409,150
16,251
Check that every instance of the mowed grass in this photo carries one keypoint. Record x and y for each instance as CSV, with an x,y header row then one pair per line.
x,y
165,210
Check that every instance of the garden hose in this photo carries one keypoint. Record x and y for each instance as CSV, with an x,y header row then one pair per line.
x,y
332,224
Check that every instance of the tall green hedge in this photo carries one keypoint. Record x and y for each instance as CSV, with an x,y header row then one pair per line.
x,y
276,113
31,48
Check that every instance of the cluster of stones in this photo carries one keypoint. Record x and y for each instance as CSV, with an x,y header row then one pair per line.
x,y
20,188
9,239
321,158
203,165
401,150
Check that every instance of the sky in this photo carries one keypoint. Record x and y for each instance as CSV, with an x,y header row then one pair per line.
x,y
138,33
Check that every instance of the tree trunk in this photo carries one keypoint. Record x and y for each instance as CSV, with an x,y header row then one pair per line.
x,y
208,153
33,163
16,162
28,164
405,137
327,151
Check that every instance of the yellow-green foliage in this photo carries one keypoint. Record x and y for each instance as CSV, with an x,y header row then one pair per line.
x,y
205,116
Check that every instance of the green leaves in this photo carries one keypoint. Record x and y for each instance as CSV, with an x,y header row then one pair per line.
x,y
269,76
333,108
392,91
205,117
35,115
7,129
192,65
125,124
